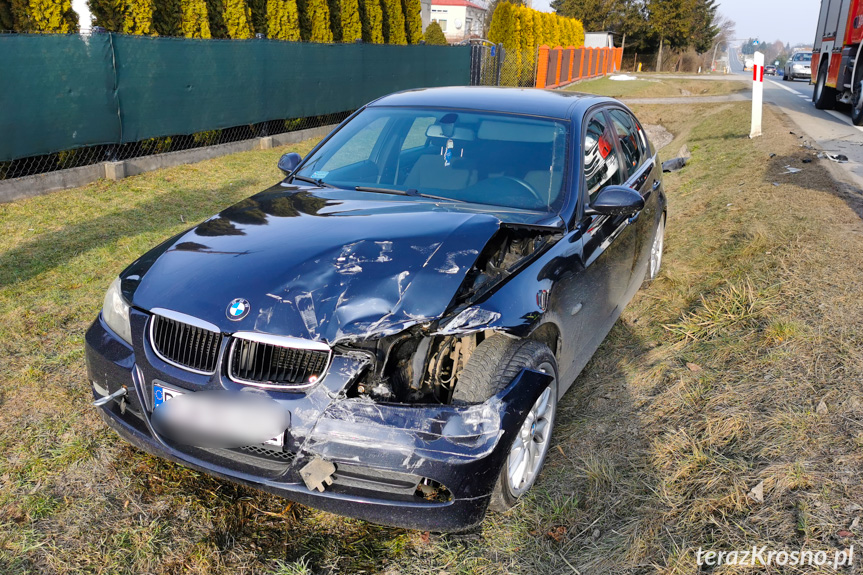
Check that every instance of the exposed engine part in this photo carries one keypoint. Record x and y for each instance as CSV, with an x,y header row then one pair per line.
x,y
505,254
416,367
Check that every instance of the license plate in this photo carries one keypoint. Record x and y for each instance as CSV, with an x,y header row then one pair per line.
x,y
161,394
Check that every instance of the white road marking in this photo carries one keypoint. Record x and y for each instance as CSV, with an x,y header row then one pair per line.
x,y
844,118
789,89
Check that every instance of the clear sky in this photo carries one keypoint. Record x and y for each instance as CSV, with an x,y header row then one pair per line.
x,y
791,21
80,6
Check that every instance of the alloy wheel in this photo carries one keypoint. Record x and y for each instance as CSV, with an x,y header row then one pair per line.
x,y
528,451
656,249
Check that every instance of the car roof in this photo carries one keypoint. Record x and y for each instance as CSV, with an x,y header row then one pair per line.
x,y
529,101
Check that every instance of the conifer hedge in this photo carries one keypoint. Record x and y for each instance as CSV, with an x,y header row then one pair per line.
x,y
522,29
283,20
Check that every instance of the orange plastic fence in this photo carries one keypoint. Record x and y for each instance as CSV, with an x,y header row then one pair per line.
x,y
559,66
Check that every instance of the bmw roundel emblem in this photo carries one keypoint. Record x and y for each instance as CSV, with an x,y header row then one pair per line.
x,y
238,309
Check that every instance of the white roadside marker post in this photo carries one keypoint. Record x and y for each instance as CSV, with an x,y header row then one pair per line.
x,y
757,94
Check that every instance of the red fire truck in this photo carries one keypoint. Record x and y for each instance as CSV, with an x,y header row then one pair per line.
x,y
836,55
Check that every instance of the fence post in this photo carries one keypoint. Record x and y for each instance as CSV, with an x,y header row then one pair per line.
x,y
581,66
559,62
542,67
498,63
476,64
571,62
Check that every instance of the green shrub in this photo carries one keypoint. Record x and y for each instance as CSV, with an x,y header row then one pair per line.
x,y
238,19
434,35
372,20
315,21
195,22
50,16
413,21
394,22
283,21
167,17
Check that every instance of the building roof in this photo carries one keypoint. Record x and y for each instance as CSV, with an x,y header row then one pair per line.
x,y
457,3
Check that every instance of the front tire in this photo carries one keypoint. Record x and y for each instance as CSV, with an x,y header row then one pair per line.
x,y
823,95
493,366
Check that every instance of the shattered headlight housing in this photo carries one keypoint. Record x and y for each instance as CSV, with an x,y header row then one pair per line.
x,y
115,312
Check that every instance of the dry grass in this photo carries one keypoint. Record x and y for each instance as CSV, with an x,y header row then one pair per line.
x,y
658,86
708,385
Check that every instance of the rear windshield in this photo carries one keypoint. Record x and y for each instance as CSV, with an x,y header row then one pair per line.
x,y
496,159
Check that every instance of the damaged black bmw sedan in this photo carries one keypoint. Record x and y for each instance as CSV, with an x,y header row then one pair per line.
x,y
385,334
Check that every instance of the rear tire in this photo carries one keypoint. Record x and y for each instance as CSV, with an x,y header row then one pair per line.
x,y
492,367
823,95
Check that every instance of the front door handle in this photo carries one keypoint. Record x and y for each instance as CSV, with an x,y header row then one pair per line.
x,y
656,184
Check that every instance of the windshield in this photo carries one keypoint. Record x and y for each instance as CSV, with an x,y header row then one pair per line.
x,y
802,57
496,159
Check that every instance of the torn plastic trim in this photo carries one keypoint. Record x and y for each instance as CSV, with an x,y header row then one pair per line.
x,y
502,245
468,320
404,437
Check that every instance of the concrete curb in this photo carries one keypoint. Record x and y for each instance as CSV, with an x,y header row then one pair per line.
x,y
30,186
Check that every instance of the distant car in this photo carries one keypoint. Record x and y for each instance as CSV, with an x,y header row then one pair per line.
x,y
386,332
798,66
770,70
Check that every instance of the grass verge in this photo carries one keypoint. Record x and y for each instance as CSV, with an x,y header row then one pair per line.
x,y
658,87
740,366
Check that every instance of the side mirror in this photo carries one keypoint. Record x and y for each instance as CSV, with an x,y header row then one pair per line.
x,y
289,162
616,201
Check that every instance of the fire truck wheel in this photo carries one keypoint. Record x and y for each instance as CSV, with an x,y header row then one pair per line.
x,y
824,96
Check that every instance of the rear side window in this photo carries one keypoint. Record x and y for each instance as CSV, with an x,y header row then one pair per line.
x,y
602,166
631,142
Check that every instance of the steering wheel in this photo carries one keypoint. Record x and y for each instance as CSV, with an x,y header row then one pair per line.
x,y
542,201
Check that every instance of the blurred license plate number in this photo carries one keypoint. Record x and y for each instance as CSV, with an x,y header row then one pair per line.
x,y
161,394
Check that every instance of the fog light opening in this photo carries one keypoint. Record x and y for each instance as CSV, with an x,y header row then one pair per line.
x,y
431,490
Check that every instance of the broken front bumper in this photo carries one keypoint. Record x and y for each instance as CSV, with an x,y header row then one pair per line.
x,y
382,453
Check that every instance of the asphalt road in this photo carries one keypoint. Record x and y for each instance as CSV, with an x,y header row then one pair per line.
x,y
832,130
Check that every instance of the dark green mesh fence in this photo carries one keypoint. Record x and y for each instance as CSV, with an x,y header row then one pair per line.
x,y
131,95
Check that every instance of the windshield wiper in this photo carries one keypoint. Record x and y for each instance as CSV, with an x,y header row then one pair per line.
x,y
410,192
318,182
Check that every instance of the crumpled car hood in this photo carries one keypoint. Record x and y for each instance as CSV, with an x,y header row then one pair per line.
x,y
327,265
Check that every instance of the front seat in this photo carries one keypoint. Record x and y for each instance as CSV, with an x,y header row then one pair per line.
x,y
431,171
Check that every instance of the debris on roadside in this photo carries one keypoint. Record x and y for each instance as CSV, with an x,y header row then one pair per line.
x,y
838,158
622,78
807,160
790,170
674,164
757,493
684,153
